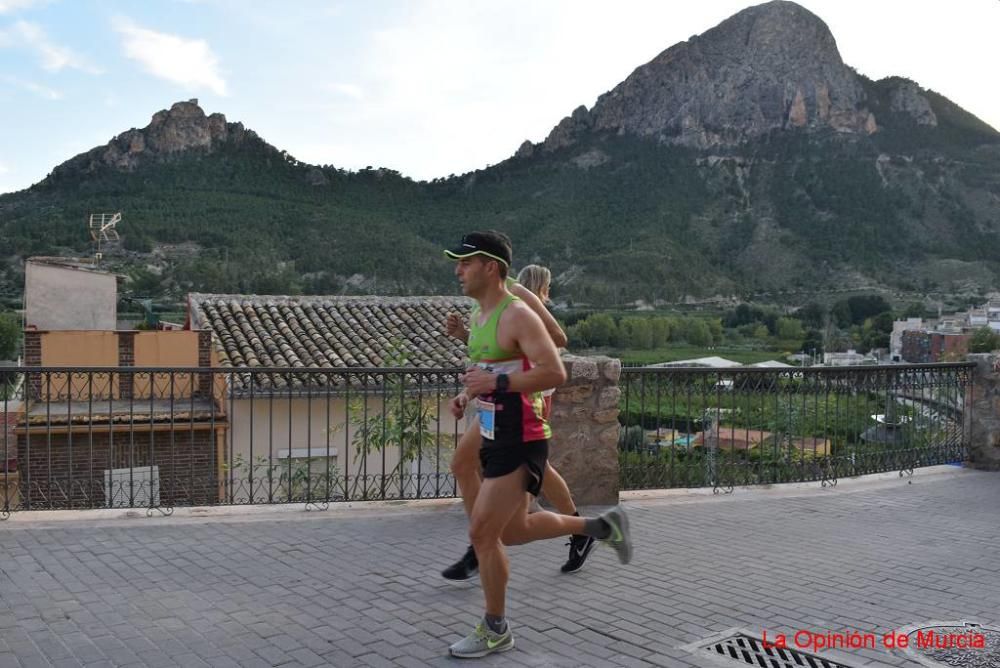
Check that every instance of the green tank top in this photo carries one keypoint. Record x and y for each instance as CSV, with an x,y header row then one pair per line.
x,y
506,418
483,344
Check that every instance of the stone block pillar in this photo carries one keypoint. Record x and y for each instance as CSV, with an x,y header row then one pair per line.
x,y
584,446
983,413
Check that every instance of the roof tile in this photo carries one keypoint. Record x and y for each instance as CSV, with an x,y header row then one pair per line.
x,y
331,332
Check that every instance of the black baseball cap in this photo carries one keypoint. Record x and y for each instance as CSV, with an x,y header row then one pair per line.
x,y
491,244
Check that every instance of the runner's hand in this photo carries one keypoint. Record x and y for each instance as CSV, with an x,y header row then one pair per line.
x,y
457,405
455,328
479,381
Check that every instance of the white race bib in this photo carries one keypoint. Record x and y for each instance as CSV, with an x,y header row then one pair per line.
x,y
487,416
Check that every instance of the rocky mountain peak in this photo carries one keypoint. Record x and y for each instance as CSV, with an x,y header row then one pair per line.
x,y
182,128
185,126
771,66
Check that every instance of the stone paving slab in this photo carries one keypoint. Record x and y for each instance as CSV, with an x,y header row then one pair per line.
x,y
346,588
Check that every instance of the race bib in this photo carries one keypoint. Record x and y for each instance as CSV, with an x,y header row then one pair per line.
x,y
487,419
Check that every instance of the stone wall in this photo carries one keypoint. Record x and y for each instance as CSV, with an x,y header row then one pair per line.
x,y
584,446
984,413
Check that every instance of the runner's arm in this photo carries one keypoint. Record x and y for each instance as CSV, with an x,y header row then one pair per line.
x,y
531,336
551,324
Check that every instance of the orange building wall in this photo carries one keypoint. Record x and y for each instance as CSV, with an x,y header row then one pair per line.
x,y
69,348
165,349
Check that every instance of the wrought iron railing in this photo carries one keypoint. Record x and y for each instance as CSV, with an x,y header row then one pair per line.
x,y
159,438
701,427
165,437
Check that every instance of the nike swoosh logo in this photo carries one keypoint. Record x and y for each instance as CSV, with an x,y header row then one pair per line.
x,y
616,533
491,644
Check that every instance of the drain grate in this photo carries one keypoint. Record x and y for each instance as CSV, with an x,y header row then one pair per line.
x,y
750,651
957,644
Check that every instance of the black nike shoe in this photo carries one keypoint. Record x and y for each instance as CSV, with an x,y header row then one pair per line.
x,y
464,568
580,548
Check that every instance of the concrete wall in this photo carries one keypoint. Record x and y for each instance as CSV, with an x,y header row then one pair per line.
x,y
61,297
269,429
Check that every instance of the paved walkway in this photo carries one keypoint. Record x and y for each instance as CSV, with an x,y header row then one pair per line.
x,y
361,588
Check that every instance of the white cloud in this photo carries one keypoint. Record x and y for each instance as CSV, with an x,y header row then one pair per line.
x,y
474,79
4,169
9,6
190,63
54,57
38,89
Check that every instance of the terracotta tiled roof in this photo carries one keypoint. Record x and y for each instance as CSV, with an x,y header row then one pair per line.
x,y
333,332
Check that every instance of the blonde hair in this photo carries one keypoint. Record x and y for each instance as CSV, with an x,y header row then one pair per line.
x,y
535,277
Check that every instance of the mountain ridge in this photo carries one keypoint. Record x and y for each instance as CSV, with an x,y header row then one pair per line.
x,y
746,159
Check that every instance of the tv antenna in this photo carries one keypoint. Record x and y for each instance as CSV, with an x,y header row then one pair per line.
x,y
102,230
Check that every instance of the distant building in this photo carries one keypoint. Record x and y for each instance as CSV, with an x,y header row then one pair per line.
x,y
95,429
896,338
850,358
922,346
987,315
953,324
66,294
804,359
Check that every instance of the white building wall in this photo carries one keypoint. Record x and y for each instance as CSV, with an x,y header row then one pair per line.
x,y
67,298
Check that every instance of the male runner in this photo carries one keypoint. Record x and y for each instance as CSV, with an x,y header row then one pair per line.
x,y
513,360
465,464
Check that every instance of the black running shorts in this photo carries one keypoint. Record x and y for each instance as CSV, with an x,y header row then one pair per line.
x,y
499,459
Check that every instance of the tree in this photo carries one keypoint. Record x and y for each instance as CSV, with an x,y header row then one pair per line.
x,y
811,315
984,340
863,307
10,335
405,424
579,335
855,310
883,322
660,331
841,314
602,330
790,329
813,341
697,333
715,329
744,314
914,310
636,333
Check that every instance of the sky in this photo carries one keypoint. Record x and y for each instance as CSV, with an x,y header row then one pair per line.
x,y
426,87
